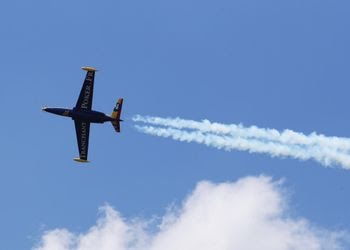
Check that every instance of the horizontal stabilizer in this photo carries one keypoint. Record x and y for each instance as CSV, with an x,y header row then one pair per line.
x,y
116,125
116,115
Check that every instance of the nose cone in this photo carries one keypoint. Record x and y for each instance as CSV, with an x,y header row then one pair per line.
x,y
44,109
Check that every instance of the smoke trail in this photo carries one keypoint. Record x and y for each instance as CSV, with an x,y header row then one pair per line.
x,y
286,136
326,150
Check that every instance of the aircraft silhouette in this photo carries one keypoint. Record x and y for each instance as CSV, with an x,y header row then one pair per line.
x,y
83,115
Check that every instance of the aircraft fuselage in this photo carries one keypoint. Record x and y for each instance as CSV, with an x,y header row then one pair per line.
x,y
88,116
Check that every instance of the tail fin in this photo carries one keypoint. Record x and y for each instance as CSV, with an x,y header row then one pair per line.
x,y
116,115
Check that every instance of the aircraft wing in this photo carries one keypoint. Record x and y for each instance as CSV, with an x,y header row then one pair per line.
x,y
85,98
82,129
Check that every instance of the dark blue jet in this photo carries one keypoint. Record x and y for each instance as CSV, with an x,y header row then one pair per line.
x,y
83,115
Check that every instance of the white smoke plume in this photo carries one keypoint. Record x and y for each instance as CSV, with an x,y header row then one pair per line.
x,y
328,151
249,214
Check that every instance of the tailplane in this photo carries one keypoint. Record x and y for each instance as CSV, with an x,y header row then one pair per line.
x,y
116,115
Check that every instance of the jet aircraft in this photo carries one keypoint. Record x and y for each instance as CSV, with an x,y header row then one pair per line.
x,y
83,115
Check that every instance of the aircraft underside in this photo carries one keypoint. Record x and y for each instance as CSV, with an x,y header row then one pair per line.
x,y
83,115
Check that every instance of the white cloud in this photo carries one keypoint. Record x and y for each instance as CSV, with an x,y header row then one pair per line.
x,y
251,213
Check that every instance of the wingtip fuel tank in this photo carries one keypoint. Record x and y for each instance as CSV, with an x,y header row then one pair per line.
x,y
87,68
81,160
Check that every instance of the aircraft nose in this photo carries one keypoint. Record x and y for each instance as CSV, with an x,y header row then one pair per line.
x,y
44,109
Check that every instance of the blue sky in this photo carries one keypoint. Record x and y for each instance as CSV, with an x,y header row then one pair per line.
x,y
274,64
